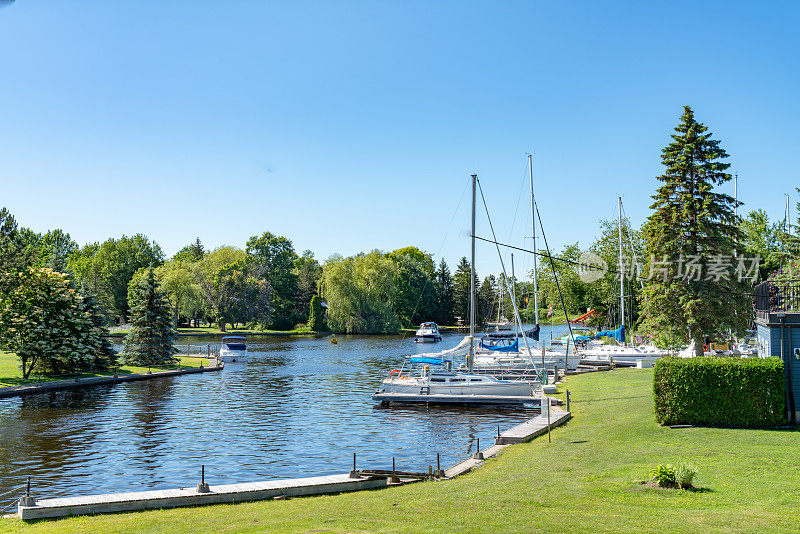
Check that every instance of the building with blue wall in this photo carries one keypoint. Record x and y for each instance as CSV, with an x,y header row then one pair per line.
x,y
778,334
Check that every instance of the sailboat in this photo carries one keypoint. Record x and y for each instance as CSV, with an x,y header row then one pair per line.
x,y
616,353
435,374
501,353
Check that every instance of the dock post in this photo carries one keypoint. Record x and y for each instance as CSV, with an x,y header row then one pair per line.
x,y
547,400
438,473
354,473
393,478
187,349
27,500
568,401
202,487
478,454
208,348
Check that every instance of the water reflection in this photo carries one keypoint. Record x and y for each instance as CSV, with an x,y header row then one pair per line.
x,y
298,407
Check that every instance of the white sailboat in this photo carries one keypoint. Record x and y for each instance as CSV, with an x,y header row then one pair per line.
x,y
461,382
620,354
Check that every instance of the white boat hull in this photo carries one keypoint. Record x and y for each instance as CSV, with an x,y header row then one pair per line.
x,y
230,356
416,386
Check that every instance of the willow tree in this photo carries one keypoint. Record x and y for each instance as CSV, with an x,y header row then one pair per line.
x,y
360,291
693,287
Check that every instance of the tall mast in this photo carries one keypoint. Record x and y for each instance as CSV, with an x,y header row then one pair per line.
x,y
788,221
736,195
513,289
471,357
621,272
533,228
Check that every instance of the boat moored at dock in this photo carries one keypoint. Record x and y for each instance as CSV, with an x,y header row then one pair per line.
x,y
428,333
233,349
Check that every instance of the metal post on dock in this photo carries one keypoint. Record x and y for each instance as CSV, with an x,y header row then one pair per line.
x,y
547,400
27,500
208,347
202,487
478,453
568,401
354,473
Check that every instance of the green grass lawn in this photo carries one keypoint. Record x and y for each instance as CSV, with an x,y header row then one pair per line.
x,y
11,374
587,479
214,330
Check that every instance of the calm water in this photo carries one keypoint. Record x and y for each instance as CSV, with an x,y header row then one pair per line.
x,y
299,407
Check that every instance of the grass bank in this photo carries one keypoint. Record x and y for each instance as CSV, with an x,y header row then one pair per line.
x,y
587,479
11,374
215,330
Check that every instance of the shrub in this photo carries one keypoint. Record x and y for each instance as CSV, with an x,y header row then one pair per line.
x,y
719,391
663,475
684,475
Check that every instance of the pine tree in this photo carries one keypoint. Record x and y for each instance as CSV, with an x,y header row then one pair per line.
x,y
316,316
461,290
445,295
150,341
105,357
691,222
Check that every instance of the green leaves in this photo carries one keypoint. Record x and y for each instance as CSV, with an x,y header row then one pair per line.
x,y
719,391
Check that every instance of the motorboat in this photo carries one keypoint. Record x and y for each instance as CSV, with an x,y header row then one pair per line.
x,y
428,333
233,349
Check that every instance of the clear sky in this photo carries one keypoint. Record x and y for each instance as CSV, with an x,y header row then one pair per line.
x,y
348,126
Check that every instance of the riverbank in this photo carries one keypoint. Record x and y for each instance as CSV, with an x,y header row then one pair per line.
x,y
11,374
588,478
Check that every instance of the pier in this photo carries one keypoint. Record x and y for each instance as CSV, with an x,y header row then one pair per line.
x,y
73,383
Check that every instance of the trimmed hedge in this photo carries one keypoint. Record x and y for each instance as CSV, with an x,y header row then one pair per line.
x,y
719,391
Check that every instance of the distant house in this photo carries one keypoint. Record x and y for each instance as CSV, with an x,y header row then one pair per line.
x,y
778,334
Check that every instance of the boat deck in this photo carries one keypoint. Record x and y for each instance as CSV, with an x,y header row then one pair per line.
x,y
387,398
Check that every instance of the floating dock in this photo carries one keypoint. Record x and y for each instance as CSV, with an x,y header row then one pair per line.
x,y
389,398
230,493
519,434
73,383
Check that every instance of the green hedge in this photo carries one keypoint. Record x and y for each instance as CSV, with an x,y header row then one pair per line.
x,y
719,391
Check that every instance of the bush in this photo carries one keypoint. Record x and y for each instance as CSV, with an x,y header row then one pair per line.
x,y
663,475
684,475
719,391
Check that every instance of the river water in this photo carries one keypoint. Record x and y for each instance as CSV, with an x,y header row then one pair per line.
x,y
298,407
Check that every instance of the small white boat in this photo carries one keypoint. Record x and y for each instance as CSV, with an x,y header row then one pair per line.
x,y
428,333
233,349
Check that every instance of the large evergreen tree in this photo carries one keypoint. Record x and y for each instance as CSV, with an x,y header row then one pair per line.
x,y
150,341
461,290
445,295
693,223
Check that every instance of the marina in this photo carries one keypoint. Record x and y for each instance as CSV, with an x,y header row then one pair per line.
x,y
283,414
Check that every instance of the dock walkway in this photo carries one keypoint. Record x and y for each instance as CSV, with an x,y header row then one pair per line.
x,y
230,493
72,383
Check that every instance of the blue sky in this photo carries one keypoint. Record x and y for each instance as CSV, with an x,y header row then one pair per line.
x,y
348,126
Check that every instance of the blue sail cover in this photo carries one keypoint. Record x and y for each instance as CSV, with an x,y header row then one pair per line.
x,y
618,334
432,360
497,346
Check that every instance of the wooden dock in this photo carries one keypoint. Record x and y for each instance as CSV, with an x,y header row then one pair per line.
x,y
230,493
391,398
519,434
73,383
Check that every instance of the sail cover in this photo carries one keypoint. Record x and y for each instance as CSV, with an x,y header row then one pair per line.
x,y
431,360
618,334
532,333
497,345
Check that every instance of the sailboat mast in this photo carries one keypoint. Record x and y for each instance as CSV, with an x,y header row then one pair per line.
x,y
513,290
621,271
533,228
471,356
